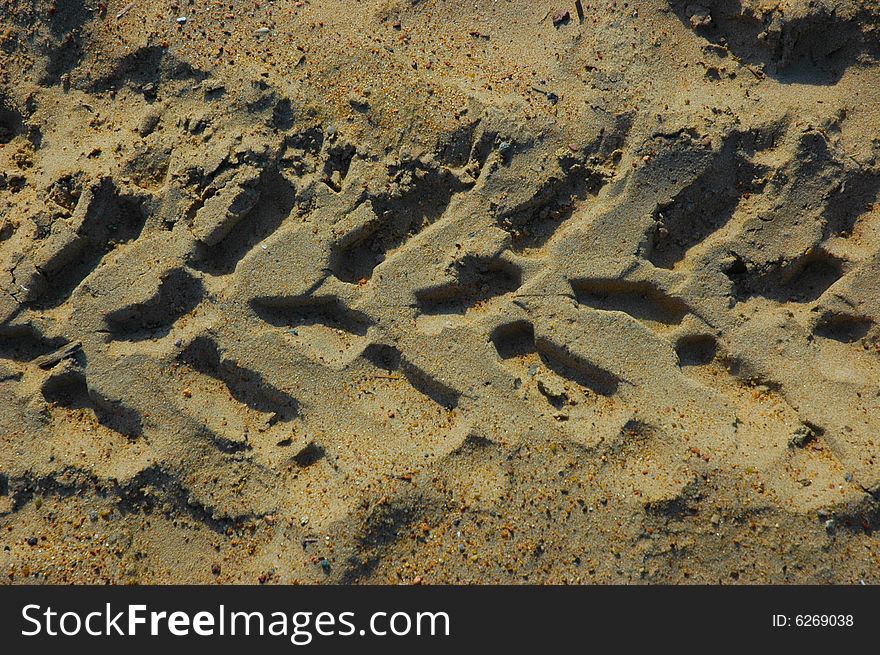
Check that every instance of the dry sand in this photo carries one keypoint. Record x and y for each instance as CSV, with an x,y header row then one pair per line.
x,y
439,291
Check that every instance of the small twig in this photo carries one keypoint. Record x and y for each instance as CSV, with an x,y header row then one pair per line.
x,y
67,350
127,8
757,72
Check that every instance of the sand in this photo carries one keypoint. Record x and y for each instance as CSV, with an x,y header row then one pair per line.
x,y
439,291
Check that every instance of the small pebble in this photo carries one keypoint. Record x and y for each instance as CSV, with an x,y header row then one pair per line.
x,y
801,437
561,17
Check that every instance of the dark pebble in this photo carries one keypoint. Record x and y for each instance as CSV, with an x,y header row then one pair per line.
x,y
561,17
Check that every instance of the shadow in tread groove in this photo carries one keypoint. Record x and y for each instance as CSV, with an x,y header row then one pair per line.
x,y
842,327
330,311
11,122
70,390
147,65
155,487
807,47
518,339
110,219
23,343
532,224
705,205
309,455
402,216
179,293
390,359
641,300
276,200
478,280
802,280
514,339
696,349
246,386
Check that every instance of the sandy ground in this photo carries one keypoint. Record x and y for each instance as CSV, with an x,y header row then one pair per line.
x,y
439,291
